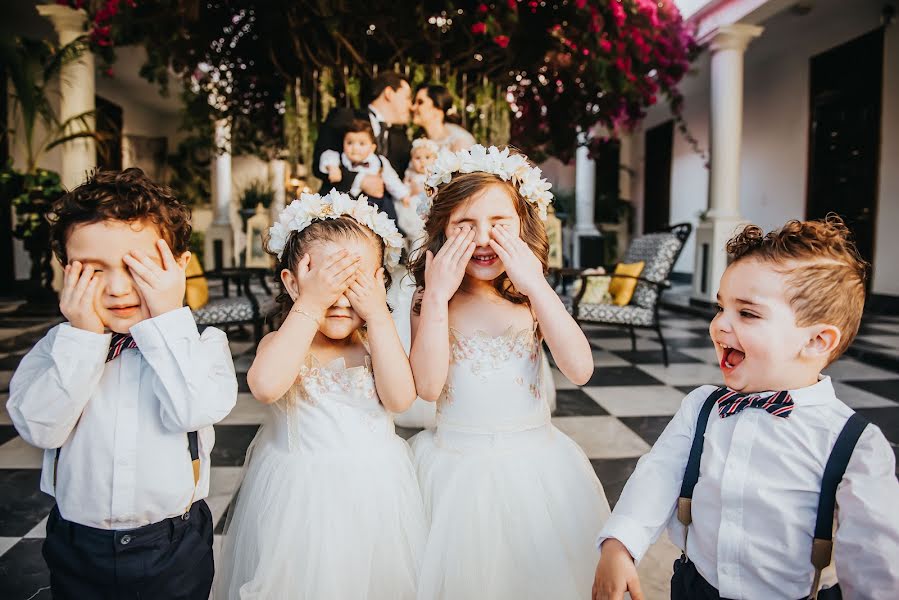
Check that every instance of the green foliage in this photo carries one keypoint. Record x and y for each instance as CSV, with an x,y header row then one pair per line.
x,y
563,67
197,244
256,192
189,170
37,193
33,68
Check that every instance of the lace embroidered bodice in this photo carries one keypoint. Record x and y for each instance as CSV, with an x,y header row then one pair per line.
x,y
332,408
493,384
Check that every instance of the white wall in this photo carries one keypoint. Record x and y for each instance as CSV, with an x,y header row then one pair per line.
x,y
775,128
559,174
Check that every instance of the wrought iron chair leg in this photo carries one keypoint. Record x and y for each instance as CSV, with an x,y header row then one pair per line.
x,y
633,338
662,341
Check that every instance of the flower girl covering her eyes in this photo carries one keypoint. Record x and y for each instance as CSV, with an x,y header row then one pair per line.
x,y
329,506
514,504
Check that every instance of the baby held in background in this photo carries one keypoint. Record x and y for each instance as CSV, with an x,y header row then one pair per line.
x,y
410,214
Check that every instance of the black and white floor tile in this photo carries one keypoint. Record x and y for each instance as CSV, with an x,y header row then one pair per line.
x,y
615,418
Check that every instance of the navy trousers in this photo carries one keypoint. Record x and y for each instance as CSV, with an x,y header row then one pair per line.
x,y
168,560
688,584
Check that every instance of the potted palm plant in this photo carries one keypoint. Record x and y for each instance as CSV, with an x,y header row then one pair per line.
x,y
35,129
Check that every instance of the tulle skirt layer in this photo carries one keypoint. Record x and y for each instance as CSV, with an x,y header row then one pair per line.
x,y
513,515
324,525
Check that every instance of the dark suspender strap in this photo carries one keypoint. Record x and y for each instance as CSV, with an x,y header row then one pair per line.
x,y
55,466
822,544
833,475
193,446
691,474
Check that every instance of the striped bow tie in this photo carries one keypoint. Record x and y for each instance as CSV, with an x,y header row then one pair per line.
x,y
779,404
120,341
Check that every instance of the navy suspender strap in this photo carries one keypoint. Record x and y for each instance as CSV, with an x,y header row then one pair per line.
x,y
822,545
691,474
193,446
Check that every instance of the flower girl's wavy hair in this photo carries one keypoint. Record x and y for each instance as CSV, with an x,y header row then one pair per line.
x,y
298,243
456,193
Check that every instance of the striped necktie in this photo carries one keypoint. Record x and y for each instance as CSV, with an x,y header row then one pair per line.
x,y
779,404
120,341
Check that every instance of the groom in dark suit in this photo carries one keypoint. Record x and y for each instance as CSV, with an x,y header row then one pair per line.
x,y
389,113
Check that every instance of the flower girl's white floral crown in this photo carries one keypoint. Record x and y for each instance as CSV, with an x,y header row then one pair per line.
x,y
426,143
506,166
302,213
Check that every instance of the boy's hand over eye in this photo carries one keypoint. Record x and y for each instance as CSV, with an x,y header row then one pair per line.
x,y
78,295
161,287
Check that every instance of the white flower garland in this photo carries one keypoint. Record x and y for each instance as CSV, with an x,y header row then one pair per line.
x,y
506,166
300,214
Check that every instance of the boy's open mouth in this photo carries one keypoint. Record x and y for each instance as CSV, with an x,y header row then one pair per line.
x,y
731,358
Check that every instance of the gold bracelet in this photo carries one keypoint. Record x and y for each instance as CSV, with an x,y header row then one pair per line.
x,y
300,311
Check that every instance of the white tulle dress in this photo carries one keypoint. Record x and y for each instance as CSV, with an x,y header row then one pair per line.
x,y
329,506
513,503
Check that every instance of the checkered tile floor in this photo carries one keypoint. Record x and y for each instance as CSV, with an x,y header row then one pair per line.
x,y
616,417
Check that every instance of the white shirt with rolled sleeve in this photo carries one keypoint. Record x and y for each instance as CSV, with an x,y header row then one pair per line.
x,y
755,503
373,165
122,426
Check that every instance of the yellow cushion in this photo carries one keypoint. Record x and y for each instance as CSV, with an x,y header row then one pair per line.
x,y
597,290
622,288
196,293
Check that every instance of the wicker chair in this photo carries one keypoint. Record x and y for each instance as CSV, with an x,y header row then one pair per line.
x,y
659,250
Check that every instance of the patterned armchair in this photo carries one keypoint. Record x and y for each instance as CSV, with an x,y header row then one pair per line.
x,y
241,309
659,251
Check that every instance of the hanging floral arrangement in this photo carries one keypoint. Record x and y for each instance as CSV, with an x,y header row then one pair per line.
x,y
576,64
104,18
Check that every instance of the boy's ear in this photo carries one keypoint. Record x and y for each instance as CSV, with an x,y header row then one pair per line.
x,y
823,340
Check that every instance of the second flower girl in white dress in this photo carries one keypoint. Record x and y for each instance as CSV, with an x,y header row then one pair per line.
x,y
329,506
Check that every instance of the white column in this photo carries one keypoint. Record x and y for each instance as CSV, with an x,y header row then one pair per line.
x,y
221,169
727,44
76,93
584,199
220,230
278,170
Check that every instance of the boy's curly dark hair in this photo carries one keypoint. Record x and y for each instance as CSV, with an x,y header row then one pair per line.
x,y
127,196
825,273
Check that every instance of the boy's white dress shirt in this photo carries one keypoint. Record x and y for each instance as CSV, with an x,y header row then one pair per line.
x,y
122,426
756,500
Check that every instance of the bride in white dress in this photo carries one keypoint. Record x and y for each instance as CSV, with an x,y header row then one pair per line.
x,y
433,111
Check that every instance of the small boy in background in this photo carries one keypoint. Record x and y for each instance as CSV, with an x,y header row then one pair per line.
x,y
360,156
